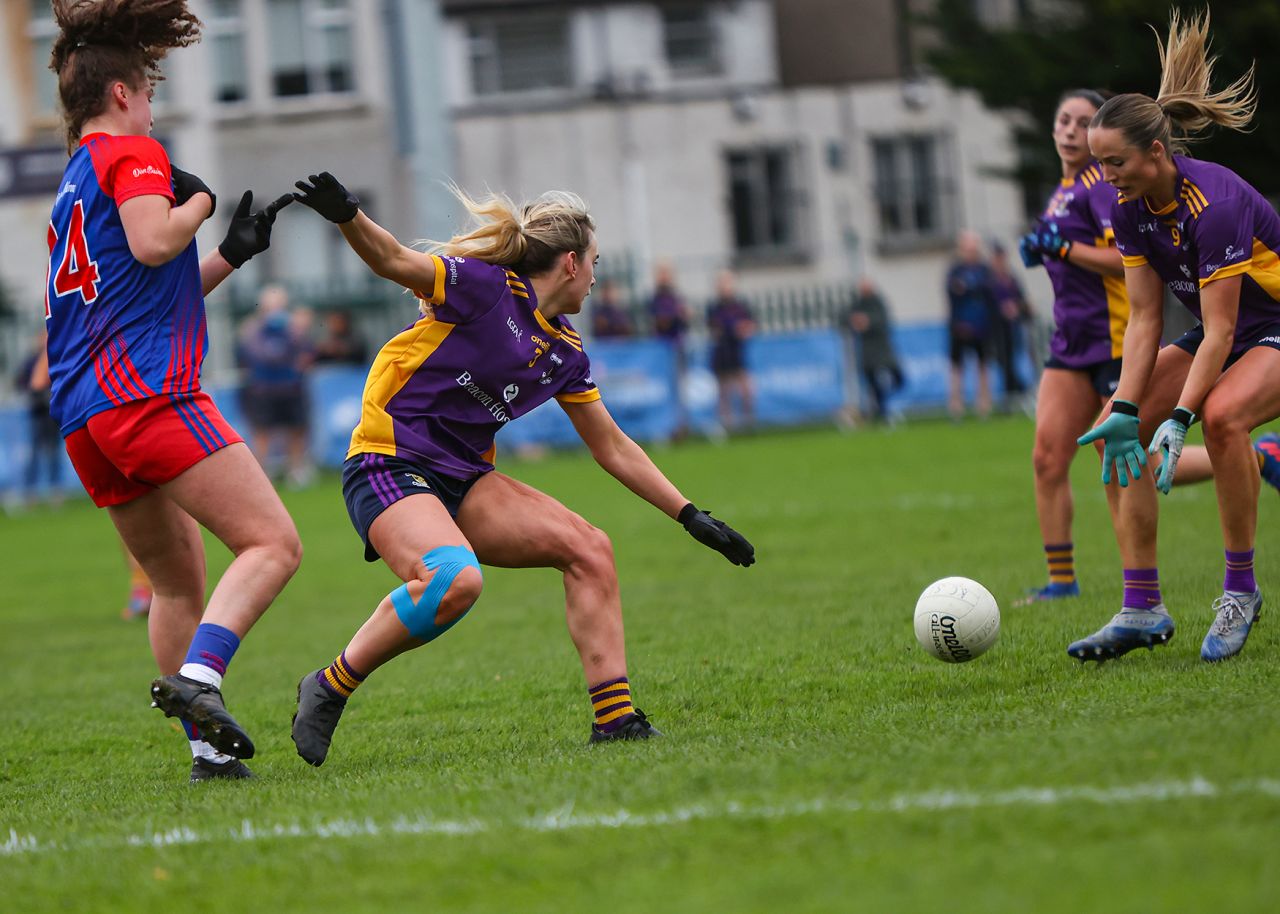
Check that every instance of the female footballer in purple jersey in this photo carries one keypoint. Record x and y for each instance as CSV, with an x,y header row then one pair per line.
x,y
1201,231
493,342
1074,241
126,322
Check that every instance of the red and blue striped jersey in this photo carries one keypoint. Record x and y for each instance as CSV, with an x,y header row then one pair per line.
x,y
118,329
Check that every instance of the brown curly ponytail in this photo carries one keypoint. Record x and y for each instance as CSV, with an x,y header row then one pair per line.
x,y
105,41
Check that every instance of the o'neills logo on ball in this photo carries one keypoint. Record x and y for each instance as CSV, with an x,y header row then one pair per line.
x,y
943,630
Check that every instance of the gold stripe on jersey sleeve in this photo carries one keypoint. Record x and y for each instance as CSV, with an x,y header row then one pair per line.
x,y
515,291
1265,270
437,292
1235,269
1133,260
395,364
583,396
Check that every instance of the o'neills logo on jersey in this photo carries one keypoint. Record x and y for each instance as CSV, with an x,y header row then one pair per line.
x,y
490,402
149,170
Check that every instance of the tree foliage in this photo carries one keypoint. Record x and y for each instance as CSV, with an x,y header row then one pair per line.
x,y
1109,45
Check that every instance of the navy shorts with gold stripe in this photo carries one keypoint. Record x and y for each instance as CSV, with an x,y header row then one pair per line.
x,y
371,483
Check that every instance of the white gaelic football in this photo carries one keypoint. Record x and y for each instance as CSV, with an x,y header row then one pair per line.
x,y
957,619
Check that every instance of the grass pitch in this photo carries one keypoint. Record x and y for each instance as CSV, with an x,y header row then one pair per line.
x,y
816,759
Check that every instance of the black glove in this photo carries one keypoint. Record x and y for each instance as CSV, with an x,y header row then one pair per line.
x,y
328,198
186,185
248,233
718,535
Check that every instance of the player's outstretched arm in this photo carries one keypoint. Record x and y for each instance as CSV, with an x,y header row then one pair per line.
x,y
377,247
248,235
627,462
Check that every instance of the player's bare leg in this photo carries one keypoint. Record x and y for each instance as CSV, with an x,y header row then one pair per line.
x,y
1066,406
1143,620
1247,396
229,495
407,535
513,525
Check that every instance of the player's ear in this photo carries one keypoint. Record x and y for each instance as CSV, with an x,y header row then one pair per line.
x,y
571,263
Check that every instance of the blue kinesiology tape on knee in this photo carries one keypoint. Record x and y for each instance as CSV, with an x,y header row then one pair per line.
x,y
420,617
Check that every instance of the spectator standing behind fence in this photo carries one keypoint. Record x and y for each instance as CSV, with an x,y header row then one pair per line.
x,y
972,308
1012,314
868,320
45,439
730,325
275,355
340,344
609,319
669,317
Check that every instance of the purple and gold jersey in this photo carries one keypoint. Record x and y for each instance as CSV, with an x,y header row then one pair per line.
x,y
1217,226
118,330
439,391
1090,311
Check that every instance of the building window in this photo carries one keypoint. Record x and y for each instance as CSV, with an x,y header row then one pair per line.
x,y
225,33
766,202
520,54
311,49
690,40
41,30
913,202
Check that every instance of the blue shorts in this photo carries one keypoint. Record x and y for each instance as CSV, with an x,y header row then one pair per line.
x,y
1268,336
371,483
1104,376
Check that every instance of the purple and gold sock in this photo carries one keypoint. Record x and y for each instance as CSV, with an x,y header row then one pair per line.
x,y
1141,588
611,702
1239,576
340,677
1062,563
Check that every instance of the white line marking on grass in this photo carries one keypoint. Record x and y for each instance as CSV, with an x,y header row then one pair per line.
x,y
567,820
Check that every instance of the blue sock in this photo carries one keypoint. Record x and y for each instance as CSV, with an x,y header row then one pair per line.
x,y
211,651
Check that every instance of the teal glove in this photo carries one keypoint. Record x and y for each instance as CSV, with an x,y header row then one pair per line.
x,y
1122,449
1168,442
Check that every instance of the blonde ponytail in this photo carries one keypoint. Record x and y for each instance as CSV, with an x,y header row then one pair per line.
x,y
1185,105
526,239
1186,76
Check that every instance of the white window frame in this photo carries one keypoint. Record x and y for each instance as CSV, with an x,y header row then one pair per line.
x,y
763,205
903,191
482,39
315,18
220,26
41,28
713,64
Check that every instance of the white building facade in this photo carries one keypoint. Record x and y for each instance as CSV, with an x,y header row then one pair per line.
x,y
669,117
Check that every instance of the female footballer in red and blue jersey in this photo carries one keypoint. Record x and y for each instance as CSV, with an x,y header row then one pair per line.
x,y
492,343
1199,230
126,321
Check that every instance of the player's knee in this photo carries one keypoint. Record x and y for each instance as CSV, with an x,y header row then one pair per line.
x,y
429,608
461,596
1221,422
591,550
1049,462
